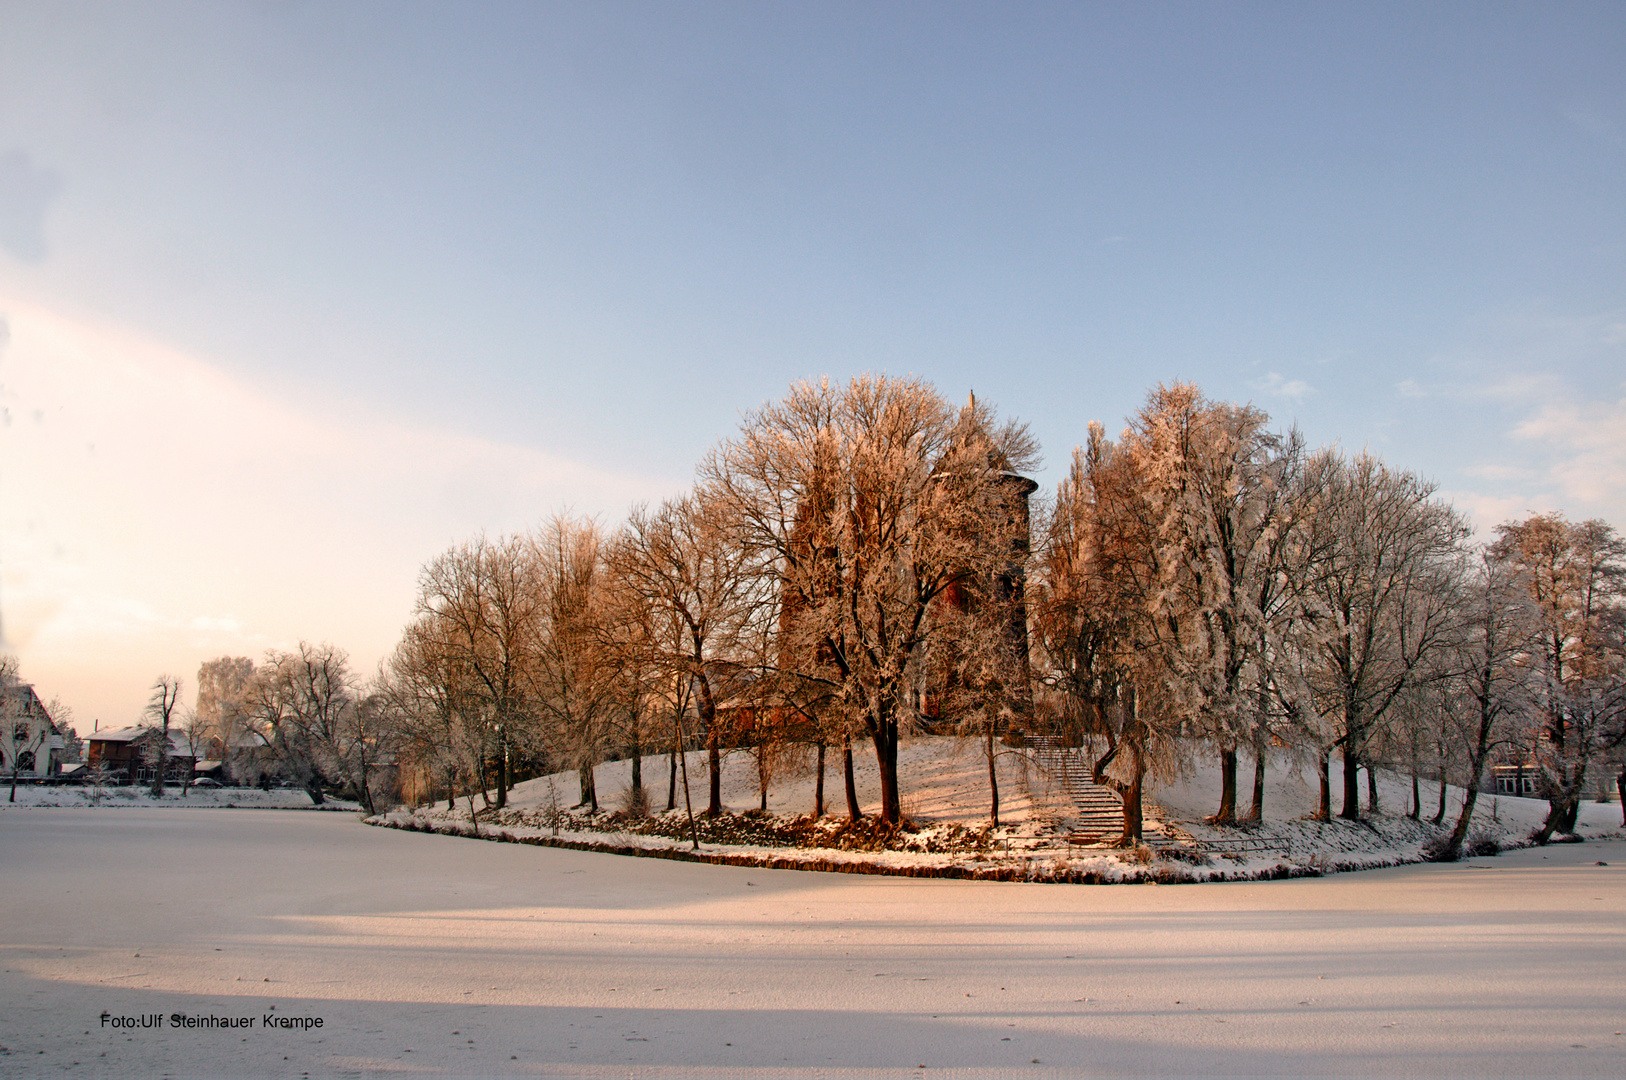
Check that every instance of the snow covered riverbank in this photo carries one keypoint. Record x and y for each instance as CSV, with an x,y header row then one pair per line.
x,y
945,793
140,797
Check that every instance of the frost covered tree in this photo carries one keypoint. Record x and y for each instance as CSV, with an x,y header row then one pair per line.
x,y
482,605
1216,495
1093,606
574,680
197,735
161,714
697,591
1487,682
1376,573
433,707
976,669
302,703
221,707
1167,602
1575,576
873,470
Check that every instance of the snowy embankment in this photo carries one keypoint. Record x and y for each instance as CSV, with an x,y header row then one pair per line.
x,y
945,797
141,797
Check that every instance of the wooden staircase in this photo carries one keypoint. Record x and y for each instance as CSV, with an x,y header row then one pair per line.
x,y
1100,809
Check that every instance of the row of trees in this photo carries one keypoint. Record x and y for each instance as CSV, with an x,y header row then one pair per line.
x,y
853,546
300,716
1204,578
856,564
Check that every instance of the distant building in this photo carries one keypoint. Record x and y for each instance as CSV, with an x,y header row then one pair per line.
x,y
129,754
30,744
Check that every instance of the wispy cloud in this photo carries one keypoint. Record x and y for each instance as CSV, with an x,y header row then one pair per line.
x,y
1572,460
1501,473
1409,388
1277,386
1589,438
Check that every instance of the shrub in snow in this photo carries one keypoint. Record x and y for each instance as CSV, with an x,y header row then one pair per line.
x,y
635,802
1482,843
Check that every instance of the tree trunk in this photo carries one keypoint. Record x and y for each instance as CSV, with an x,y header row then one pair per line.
x,y
762,778
671,780
884,734
502,770
637,763
993,780
1134,817
1453,846
853,813
1416,797
1620,789
1477,756
688,802
714,765
1371,791
1352,785
1227,806
1256,811
589,789
1572,810
1439,814
1563,806
818,787
714,758
1324,812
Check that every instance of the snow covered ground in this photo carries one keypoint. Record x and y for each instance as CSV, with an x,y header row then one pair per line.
x,y
139,797
945,789
435,956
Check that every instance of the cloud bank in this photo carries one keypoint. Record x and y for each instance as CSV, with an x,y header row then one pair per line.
x,y
156,512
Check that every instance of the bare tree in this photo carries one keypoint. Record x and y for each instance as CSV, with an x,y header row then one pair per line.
x,y
372,737
483,605
13,705
868,509
1489,687
161,715
574,680
1378,562
302,704
434,704
198,734
698,589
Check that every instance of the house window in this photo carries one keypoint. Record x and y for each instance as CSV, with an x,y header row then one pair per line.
x,y
25,761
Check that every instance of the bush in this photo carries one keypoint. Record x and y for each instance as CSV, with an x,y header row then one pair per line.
x,y
635,802
1481,843
1438,850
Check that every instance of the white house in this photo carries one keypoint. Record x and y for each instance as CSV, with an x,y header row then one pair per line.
x,y
30,744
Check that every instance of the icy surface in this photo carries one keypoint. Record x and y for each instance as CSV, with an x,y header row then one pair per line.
x,y
436,956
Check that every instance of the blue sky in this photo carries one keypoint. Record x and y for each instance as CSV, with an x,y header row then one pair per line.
x,y
298,294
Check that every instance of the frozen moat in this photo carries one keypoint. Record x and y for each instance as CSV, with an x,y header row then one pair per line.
x,y
434,956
